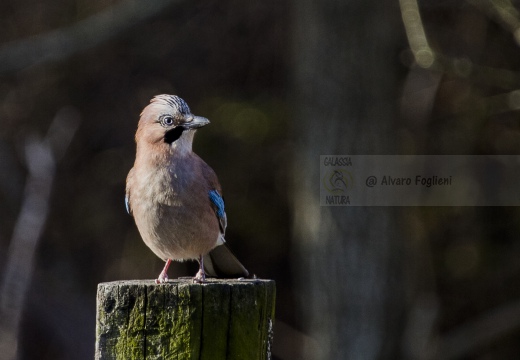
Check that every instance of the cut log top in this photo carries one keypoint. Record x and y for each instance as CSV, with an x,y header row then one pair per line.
x,y
219,319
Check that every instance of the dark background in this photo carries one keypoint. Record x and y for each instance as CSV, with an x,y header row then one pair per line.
x,y
282,83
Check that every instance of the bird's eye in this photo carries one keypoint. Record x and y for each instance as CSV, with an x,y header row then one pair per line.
x,y
167,121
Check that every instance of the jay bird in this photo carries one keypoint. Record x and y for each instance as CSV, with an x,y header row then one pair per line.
x,y
174,196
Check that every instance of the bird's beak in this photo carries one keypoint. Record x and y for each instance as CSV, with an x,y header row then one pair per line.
x,y
195,122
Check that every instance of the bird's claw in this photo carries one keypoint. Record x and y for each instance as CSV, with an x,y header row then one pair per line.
x,y
163,278
200,277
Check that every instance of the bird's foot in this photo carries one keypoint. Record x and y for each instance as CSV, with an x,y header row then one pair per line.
x,y
163,278
200,277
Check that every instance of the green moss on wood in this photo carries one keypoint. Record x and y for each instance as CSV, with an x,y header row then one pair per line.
x,y
215,321
221,319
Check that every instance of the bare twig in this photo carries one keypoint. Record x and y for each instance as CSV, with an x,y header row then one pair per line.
x,y
503,12
422,52
433,59
62,43
41,156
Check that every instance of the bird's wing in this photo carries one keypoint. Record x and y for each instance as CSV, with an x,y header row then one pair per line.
x,y
221,262
127,192
127,204
218,205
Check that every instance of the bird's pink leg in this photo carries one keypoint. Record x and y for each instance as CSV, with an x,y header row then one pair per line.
x,y
200,277
163,276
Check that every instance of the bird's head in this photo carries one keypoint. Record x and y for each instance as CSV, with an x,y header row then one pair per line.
x,y
168,121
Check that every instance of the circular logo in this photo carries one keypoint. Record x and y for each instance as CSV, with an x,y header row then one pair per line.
x,y
337,180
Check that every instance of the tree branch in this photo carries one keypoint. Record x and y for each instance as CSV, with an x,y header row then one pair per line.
x,y
41,156
62,43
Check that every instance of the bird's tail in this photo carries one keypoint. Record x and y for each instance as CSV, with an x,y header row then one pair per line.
x,y
221,262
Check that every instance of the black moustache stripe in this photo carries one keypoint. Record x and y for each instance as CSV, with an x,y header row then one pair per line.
x,y
172,135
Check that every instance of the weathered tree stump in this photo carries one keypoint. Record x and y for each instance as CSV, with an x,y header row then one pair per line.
x,y
220,319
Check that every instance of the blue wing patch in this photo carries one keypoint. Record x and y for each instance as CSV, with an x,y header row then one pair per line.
x,y
216,199
127,204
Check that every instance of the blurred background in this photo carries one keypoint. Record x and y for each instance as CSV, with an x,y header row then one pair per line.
x,y
282,82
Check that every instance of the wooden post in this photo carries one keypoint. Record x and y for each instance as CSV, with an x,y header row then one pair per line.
x,y
220,319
